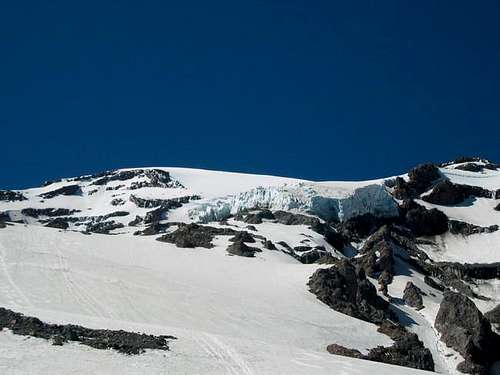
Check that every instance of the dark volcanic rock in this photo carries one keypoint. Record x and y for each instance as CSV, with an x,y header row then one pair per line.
x,y
311,256
255,217
343,351
493,316
412,296
470,167
243,237
138,220
194,235
362,226
348,292
241,249
167,203
466,229
154,178
289,218
420,180
117,202
334,238
65,190
447,193
103,227
57,223
465,329
268,244
121,341
9,195
407,350
424,222
50,212
433,283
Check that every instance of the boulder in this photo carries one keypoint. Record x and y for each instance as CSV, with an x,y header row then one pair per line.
x,y
412,296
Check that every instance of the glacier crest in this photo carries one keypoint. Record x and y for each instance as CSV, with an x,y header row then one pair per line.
x,y
321,200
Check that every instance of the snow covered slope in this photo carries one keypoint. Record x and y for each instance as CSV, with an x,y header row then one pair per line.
x,y
85,251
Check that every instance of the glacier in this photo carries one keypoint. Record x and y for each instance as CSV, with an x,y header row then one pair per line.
x,y
328,202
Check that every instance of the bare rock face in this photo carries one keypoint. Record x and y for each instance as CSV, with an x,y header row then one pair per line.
x,y
349,292
497,207
424,222
466,229
412,296
242,236
65,190
465,329
241,249
194,235
493,316
420,180
447,193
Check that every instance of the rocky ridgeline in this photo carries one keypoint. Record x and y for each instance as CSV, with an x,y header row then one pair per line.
x,y
121,341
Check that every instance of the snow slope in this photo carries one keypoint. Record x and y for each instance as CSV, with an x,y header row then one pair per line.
x,y
231,315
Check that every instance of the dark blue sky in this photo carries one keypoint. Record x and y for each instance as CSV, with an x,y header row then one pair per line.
x,y
312,89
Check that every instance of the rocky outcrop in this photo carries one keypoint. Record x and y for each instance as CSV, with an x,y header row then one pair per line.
x,y
255,217
359,227
194,235
103,227
311,256
121,341
58,222
349,292
166,203
470,167
466,330
466,229
11,196
407,350
493,317
65,190
424,222
497,207
420,180
163,206
117,202
50,212
412,295
151,178
242,236
241,249
447,193
289,218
